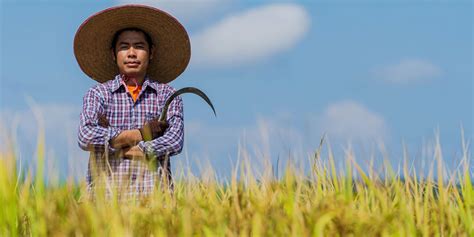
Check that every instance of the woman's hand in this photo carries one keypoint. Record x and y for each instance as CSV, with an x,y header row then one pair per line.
x,y
153,129
133,153
103,121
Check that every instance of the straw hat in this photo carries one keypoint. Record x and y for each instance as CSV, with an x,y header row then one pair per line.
x,y
93,42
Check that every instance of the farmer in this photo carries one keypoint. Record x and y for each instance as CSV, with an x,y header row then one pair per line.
x,y
133,51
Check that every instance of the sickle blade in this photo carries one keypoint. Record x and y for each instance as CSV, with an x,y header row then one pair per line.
x,y
192,90
199,93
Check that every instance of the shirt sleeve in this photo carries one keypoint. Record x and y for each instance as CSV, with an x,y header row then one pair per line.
x,y
91,136
171,143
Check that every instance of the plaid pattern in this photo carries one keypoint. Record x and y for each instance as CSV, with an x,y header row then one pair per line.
x,y
113,99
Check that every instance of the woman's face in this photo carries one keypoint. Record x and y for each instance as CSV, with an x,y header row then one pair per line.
x,y
132,54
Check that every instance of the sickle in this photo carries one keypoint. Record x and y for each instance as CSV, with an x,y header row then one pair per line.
x,y
182,91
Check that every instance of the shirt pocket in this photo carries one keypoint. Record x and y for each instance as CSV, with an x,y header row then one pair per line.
x,y
152,109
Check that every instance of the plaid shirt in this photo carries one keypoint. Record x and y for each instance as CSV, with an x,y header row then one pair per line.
x,y
113,99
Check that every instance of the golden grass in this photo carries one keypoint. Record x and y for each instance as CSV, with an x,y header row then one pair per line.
x,y
323,203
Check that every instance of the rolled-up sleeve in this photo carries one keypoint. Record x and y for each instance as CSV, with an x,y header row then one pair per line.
x,y
171,143
91,136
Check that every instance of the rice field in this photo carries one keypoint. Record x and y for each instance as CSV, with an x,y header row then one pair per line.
x,y
323,202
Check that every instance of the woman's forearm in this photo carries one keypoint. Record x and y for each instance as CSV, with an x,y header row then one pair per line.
x,y
126,138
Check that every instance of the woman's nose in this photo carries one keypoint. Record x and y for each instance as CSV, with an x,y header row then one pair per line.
x,y
131,52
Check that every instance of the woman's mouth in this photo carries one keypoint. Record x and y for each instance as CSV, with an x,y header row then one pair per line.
x,y
132,63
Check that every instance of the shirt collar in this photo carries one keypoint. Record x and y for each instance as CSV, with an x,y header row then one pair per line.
x,y
117,83
150,83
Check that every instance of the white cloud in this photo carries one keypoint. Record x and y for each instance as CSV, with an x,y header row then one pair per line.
x,y
182,9
60,123
265,134
268,139
208,139
349,120
407,71
283,136
252,35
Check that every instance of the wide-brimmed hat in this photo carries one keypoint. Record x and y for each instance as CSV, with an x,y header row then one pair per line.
x,y
93,42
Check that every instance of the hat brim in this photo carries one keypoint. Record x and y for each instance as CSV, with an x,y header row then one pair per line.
x,y
93,41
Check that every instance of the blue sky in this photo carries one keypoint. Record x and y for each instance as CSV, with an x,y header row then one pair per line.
x,y
280,73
